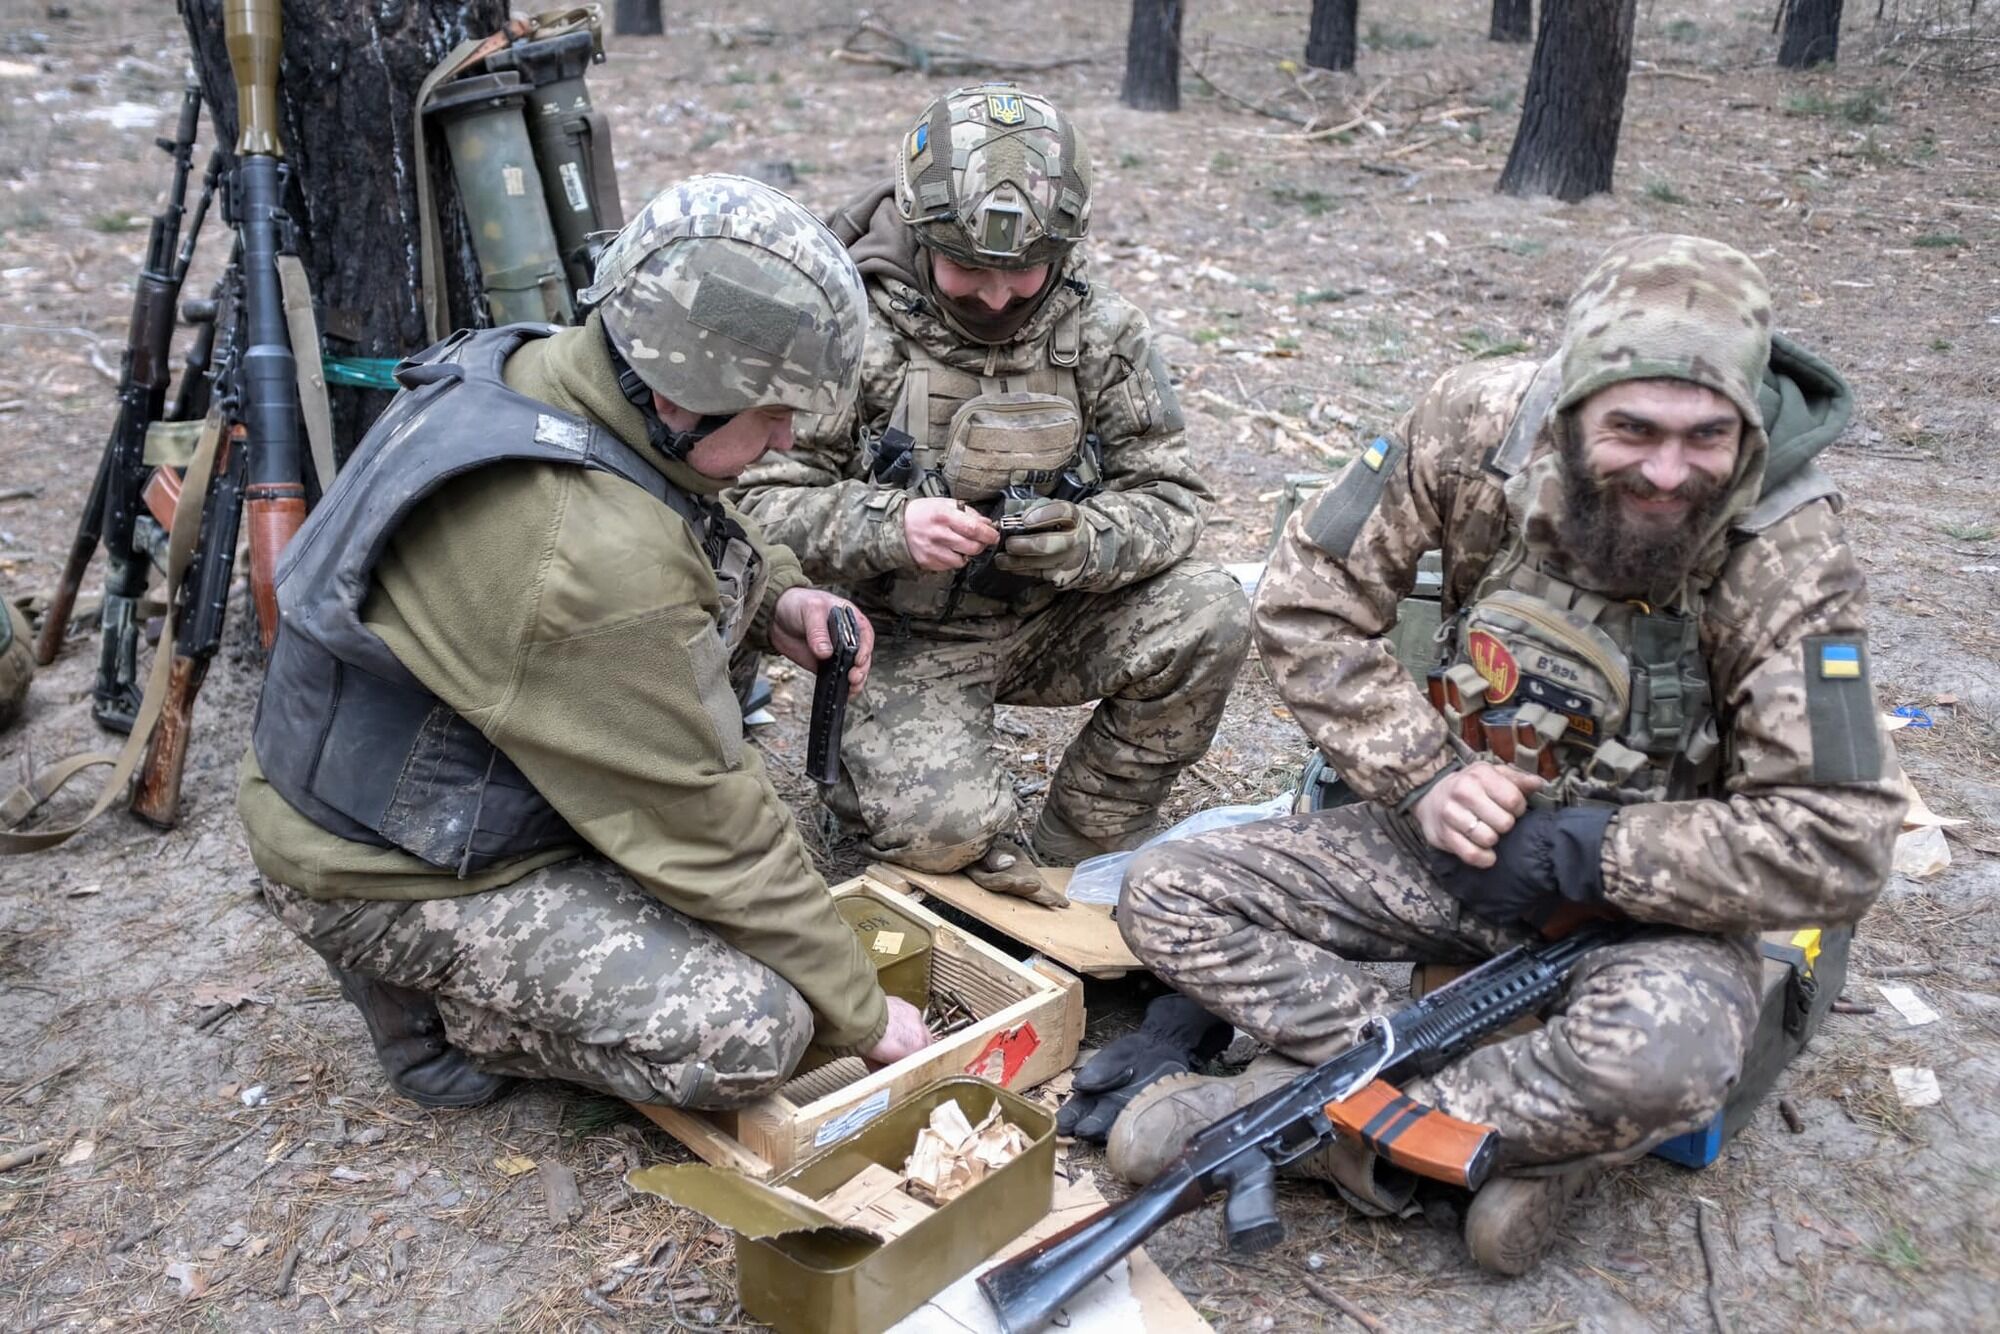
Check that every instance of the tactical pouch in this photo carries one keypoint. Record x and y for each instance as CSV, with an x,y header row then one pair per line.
x,y
1531,652
1001,440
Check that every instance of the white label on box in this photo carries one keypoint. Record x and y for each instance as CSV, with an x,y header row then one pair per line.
x,y
852,1119
888,942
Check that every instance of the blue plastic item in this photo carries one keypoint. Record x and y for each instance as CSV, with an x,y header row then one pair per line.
x,y
1697,1148
1917,717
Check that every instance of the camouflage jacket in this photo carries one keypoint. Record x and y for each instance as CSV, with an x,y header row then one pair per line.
x,y
848,529
1780,846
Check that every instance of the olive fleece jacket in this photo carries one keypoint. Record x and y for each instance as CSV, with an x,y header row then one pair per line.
x,y
573,619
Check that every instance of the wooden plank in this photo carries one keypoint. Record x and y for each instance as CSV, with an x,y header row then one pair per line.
x,y
709,1141
1082,937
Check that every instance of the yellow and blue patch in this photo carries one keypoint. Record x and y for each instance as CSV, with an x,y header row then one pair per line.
x,y
920,139
1372,457
1839,662
1005,108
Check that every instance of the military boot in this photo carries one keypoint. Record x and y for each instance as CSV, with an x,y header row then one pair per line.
x,y
1151,1133
409,1041
1058,843
1514,1221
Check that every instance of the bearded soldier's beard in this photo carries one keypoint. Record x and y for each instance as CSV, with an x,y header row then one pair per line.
x,y
1620,554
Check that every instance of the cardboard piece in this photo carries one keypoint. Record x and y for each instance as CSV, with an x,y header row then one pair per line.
x,y
1081,937
1133,1295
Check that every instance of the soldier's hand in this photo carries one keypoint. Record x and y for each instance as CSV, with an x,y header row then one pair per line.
x,y
1466,812
905,1034
944,534
798,630
1052,542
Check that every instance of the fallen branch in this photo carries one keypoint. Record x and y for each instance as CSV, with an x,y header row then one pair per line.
x,y
1710,1259
26,1154
1681,74
1275,113
900,53
1342,1305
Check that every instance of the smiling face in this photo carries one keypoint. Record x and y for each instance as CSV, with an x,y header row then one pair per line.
x,y
1647,463
726,451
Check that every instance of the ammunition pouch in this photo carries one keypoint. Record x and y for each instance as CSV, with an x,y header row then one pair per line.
x,y
1021,440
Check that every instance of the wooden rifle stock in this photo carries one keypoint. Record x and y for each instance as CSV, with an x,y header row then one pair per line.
x,y
276,511
156,796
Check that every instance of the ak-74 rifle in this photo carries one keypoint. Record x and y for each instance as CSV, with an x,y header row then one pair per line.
x,y
243,376
1349,1095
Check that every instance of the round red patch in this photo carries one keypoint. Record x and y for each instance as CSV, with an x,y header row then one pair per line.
x,y
1491,660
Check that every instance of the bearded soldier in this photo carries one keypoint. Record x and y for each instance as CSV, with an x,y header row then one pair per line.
x,y
498,777
1652,609
1011,501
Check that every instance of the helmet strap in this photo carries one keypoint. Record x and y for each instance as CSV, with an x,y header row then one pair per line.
x,y
674,444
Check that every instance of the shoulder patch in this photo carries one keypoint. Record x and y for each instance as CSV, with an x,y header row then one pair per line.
x,y
1169,418
1840,710
1335,522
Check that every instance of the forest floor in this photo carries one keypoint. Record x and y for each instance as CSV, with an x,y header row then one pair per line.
x,y
222,1151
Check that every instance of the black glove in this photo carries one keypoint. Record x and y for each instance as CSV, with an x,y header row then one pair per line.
x,y
1547,859
1174,1036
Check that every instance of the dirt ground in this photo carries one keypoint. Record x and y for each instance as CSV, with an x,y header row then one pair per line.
x,y
239,1165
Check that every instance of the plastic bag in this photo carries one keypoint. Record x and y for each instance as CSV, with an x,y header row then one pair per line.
x,y
1098,879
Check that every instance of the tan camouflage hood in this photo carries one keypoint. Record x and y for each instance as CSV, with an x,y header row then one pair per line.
x,y
725,294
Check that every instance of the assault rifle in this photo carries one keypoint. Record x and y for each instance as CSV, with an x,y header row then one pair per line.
x,y
183,513
1350,1095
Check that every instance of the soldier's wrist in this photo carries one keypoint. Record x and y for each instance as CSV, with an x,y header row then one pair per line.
x,y
784,578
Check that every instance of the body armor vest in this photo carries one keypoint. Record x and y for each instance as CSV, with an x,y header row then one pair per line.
x,y
996,441
344,732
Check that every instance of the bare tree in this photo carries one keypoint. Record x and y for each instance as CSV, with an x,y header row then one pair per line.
x,y
1570,115
1513,21
346,86
1812,33
1153,57
1330,39
637,18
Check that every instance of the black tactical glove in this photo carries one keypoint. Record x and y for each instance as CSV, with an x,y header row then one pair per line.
x,y
1174,1036
1547,859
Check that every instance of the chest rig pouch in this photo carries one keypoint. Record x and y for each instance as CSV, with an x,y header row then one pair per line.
x,y
344,732
997,441
1608,701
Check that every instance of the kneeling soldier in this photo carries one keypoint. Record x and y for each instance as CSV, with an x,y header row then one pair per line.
x,y
1655,703
498,777
1012,501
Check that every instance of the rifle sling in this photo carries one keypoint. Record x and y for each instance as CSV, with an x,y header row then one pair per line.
x,y
312,375
180,553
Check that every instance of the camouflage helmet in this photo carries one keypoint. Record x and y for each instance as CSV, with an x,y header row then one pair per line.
x,y
17,662
724,294
995,178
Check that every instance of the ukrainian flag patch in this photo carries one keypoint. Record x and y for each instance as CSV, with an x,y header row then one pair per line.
x,y
1839,662
1373,457
920,139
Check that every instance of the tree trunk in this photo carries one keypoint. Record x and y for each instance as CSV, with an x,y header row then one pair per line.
x,y
1153,57
1330,38
346,86
1568,140
1812,34
637,18
1513,21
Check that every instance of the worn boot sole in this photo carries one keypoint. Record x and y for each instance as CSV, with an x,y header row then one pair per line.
x,y
1514,1221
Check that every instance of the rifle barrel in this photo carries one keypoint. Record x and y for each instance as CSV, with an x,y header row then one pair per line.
x,y
1028,1289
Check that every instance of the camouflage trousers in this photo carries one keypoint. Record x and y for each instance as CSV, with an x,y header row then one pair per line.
x,y
1264,924
918,770
574,972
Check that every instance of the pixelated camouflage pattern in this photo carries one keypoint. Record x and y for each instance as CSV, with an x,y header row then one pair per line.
x,y
1779,849
847,530
573,972
918,768
1264,924
702,343
17,663
994,177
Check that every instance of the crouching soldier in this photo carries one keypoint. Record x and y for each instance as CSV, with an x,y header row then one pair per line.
x,y
1653,611
498,778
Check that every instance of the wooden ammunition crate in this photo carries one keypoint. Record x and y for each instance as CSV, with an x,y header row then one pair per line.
x,y
1030,1022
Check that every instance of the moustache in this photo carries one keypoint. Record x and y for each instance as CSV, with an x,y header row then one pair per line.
x,y
1696,491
